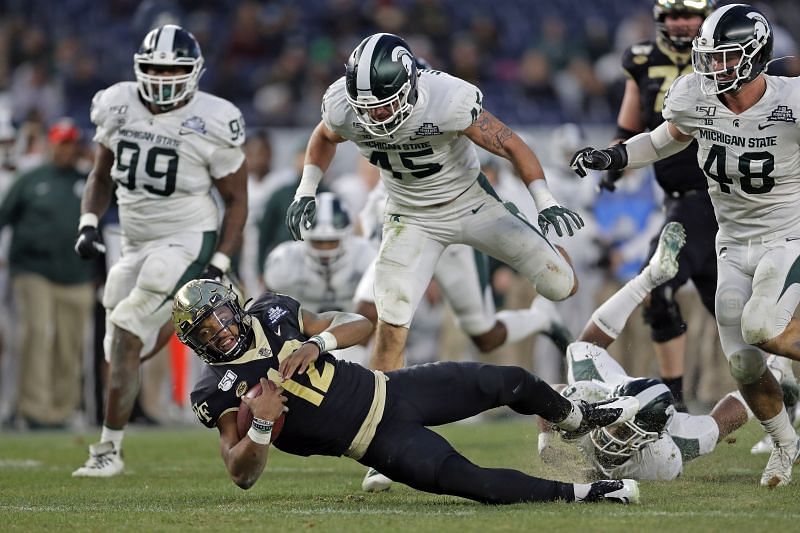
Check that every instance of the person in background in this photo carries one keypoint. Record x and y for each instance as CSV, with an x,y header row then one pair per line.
x,y
53,289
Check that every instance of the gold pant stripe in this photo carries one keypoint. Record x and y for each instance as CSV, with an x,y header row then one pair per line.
x,y
366,432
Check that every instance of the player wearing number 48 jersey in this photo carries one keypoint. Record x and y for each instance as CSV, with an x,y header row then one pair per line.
x,y
745,123
164,144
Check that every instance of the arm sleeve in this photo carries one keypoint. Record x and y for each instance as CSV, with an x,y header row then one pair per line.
x,y
648,147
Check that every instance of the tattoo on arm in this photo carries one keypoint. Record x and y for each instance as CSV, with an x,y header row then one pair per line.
x,y
494,133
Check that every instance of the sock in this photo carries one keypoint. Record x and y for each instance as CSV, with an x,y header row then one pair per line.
x,y
675,387
581,490
112,435
521,323
780,428
573,419
613,314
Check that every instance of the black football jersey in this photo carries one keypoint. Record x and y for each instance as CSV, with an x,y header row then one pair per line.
x,y
654,68
327,404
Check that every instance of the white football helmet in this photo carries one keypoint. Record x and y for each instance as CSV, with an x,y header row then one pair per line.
x,y
324,240
165,47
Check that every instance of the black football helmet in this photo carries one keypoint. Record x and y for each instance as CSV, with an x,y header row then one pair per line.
x,y
662,8
324,240
733,47
201,310
382,71
656,409
168,46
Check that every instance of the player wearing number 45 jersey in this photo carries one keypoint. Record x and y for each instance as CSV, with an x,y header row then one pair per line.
x,y
421,127
164,144
745,123
339,408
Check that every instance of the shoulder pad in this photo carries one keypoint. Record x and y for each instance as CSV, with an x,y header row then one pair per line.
x,y
221,120
335,109
458,102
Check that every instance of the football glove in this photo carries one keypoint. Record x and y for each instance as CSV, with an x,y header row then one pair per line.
x,y
303,211
89,244
614,158
609,180
558,214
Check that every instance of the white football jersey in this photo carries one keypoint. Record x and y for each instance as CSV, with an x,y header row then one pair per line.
x,y
164,163
427,161
657,461
290,269
751,160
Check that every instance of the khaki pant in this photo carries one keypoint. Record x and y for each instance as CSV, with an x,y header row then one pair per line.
x,y
52,327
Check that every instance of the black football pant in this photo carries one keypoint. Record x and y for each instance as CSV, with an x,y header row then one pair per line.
x,y
439,393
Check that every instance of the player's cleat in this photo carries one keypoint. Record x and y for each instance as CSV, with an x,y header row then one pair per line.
x,y
778,471
104,461
613,490
555,330
612,412
663,265
374,481
762,446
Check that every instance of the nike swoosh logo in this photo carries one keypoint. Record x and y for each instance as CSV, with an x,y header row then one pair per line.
x,y
416,138
789,239
477,209
764,126
186,132
278,331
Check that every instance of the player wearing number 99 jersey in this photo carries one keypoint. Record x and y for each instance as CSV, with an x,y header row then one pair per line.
x,y
745,123
161,147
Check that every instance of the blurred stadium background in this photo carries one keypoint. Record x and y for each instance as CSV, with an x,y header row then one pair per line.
x,y
540,64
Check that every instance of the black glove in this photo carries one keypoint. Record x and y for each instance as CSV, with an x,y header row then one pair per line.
x,y
89,244
609,180
303,211
614,158
554,215
211,272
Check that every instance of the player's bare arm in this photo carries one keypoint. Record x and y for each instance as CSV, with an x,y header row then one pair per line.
x,y
322,146
327,331
629,118
493,135
99,185
244,458
233,190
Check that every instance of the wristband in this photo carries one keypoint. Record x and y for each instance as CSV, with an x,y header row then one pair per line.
x,y
261,425
325,341
258,437
87,219
541,195
309,181
221,261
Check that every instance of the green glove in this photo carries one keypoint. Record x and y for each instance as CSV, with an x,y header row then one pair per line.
x,y
555,214
303,211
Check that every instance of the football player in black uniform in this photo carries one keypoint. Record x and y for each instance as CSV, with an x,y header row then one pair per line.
x,y
339,408
651,67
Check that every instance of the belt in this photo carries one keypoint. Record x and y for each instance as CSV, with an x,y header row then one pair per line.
x,y
362,440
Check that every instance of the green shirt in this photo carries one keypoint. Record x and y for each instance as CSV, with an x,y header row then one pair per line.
x,y
43,207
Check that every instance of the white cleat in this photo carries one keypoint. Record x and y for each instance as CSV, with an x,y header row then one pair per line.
x,y
374,481
613,490
664,263
762,446
104,461
778,471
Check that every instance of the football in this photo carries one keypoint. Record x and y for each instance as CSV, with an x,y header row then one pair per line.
x,y
244,418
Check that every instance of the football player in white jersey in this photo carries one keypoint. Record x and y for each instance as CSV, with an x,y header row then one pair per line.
x,y
420,127
656,443
323,271
164,145
745,122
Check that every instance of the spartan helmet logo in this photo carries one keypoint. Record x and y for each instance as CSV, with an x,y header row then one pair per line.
x,y
761,28
401,54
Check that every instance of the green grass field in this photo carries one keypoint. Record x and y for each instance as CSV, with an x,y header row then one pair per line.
x,y
175,481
